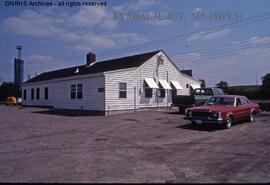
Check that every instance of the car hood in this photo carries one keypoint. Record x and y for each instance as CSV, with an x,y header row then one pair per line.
x,y
212,108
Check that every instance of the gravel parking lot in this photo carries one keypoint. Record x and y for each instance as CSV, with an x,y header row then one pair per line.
x,y
37,145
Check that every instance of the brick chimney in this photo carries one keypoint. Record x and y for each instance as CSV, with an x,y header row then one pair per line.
x,y
90,58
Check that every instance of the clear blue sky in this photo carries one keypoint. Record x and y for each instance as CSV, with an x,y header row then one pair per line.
x,y
59,37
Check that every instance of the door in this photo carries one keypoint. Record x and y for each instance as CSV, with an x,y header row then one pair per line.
x,y
239,111
246,108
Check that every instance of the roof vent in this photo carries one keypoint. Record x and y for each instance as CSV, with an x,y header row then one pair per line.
x,y
77,70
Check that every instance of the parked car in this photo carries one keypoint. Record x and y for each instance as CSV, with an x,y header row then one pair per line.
x,y
11,101
223,110
198,97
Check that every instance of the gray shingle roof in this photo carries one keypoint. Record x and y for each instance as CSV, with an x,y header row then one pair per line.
x,y
108,65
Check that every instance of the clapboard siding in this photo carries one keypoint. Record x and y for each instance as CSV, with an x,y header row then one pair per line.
x,y
168,72
135,78
59,94
112,80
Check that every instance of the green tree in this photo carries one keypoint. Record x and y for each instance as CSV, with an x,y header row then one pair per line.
x,y
203,83
223,85
266,81
264,92
8,89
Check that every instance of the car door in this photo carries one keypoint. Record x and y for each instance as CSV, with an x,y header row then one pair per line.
x,y
246,108
238,112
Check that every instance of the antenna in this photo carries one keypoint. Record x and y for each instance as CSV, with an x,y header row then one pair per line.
x,y
19,48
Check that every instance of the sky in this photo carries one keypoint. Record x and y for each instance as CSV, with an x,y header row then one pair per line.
x,y
219,40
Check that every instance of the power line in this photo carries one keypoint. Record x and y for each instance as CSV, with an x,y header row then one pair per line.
x,y
224,54
249,20
224,46
218,49
216,55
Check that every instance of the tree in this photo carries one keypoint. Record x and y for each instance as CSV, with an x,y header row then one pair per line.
x,y
264,92
223,85
8,89
203,83
266,81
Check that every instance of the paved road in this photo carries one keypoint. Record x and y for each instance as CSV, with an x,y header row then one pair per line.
x,y
37,145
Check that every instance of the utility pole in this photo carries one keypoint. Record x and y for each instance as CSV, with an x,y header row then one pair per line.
x,y
256,78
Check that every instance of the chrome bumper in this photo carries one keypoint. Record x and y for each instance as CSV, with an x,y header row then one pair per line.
x,y
205,120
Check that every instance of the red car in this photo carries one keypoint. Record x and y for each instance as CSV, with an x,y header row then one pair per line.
x,y
223,110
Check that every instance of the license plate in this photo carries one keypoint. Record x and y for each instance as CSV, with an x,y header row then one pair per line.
x,y
198,121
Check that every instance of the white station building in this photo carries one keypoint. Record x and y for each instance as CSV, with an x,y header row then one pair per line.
x,y
147,80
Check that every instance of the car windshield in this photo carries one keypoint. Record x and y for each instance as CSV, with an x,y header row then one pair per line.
x,y
206,92
220,101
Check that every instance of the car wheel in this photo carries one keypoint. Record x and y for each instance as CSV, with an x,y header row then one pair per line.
x,y
228,122
251,117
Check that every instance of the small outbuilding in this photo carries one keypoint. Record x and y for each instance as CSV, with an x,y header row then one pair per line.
x,y
147,80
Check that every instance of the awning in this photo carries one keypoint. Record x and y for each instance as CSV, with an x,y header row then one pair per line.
x,y
176,85
151,83
164,84
195,86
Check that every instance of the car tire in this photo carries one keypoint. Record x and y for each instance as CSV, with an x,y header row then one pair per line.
x,y
228,122
251,117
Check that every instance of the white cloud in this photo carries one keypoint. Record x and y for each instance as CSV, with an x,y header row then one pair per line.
x,y
212,34
135,6
146,3
238,69
89,17
75,31
89,40
139,7
197,10
37,63
32,23
258,39
188,56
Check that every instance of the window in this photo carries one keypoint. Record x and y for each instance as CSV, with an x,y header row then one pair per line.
x,y
73,91
148,91
37,95
174,92
24,94
161,91
79,91
32,94
46,93
238,102
187,86
101,89
243,101
220,101
206,92
122,90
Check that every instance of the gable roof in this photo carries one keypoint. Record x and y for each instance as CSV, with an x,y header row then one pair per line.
x,y
103,66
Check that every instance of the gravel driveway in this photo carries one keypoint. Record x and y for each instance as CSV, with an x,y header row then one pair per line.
x,y
37,145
